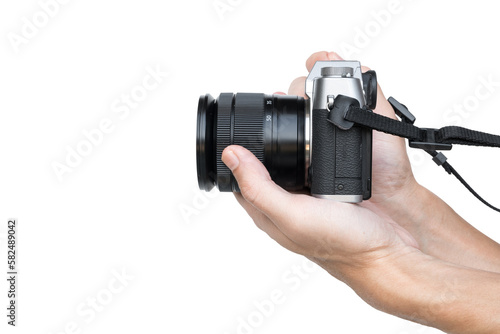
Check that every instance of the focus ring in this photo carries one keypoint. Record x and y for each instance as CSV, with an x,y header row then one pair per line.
x,y
223,139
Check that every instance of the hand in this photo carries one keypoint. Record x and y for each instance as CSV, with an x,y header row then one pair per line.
x,y
332,234
321,229
399,199
373,246
391,170
337,236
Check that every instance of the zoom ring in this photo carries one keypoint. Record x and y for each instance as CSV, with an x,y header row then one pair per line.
x,y
249,123
241,125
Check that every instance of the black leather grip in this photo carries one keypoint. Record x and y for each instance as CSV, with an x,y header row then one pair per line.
x,y
341,159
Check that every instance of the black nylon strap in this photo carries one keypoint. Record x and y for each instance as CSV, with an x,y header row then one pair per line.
x,y
381,123
463,136
445,135
429,140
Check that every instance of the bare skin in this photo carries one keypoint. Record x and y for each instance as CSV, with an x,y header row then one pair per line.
x,y
399,251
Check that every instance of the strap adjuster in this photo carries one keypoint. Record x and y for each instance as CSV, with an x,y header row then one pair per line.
x,y
429,142
429,137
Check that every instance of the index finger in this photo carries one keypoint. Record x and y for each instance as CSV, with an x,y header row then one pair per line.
x,y
322,55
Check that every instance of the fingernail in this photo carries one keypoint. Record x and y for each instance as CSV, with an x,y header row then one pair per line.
x,y
230,159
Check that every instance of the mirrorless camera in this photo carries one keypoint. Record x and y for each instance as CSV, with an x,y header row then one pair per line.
x,y
303,143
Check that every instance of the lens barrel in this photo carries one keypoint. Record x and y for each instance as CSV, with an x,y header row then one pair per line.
x,y
272,127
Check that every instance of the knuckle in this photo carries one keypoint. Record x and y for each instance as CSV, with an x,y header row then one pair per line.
x,y
297,86
257,192
297,81
250,191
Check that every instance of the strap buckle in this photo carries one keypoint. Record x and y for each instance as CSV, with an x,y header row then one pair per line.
x,y
429,139
429,143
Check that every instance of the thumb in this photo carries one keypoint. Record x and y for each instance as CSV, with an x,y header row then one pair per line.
x,y
254,180
302,219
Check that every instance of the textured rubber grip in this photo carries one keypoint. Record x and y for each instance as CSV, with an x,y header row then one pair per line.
x,y
337,158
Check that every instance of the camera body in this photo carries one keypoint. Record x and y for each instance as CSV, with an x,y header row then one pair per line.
x,y
341,153
304,143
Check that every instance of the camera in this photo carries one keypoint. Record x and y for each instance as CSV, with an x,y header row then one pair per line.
x,y
305,143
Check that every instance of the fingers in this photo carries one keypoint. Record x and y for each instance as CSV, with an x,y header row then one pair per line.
x,y
297,87
383,107
253,179
268,204
289,213
303,224
323,55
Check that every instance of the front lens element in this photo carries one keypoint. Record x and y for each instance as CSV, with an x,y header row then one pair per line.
x,y
205,132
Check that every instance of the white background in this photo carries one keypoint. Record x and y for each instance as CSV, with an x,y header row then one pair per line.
x,y
120,208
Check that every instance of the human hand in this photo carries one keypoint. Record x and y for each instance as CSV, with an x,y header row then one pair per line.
x,y
397,197
398,201
337,236
393,182
330,233
373,246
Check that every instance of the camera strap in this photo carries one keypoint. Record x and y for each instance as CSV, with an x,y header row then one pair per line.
x,y
423,138
428,139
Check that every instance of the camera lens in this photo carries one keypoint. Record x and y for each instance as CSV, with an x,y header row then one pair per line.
x,y
272,127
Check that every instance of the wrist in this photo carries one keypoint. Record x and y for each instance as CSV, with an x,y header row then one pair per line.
x,y
442,233
417,287
418,209
406,204
384,283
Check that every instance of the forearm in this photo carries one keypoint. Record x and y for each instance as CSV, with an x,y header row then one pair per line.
x,y
442,233
432,292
